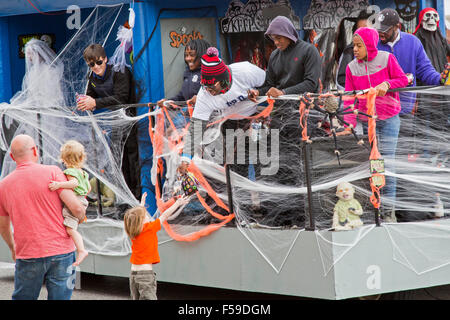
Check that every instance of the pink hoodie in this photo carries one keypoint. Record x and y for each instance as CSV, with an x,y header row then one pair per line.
x,y
380,66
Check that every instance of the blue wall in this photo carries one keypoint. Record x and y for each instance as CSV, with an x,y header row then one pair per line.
x,y
27,24
39,23
5,69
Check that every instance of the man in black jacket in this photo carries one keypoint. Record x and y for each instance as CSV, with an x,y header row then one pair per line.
x,y
107,90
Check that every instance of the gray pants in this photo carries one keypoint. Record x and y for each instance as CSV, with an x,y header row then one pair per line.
x,y
143,285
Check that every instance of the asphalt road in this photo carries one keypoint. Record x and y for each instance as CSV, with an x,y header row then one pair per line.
x,y
99,287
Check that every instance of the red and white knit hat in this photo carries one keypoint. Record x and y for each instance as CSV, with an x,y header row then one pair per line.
x,y
213,68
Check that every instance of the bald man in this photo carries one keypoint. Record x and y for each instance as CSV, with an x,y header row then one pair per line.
x,y
40,245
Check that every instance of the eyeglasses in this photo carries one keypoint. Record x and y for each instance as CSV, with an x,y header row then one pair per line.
x,y
385,33
92,63
213,89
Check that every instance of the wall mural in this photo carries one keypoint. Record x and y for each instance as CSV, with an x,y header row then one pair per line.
x,y
255,15
407,10
320,24
324,14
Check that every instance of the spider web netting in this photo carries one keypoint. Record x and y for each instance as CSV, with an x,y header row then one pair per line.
x,y
45,109
269,190
268,185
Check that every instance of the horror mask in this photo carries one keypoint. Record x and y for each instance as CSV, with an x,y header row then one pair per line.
x,y
430,21
407,9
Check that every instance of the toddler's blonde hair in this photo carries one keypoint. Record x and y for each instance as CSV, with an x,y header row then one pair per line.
x,y
73,154
134,221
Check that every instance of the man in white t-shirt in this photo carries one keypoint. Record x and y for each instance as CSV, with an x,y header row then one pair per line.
x,y
224,90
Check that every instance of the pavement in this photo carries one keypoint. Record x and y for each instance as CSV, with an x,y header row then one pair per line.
x,y
100,287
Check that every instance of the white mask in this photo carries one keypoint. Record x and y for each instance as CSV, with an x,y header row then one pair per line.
x,y
430,20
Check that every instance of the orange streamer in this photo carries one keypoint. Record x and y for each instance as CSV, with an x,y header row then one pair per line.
x,y
304,111
374,153
198,234
157,141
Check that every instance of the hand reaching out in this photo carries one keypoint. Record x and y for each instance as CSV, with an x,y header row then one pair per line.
x,y
344,132
253,94
192,100
183,200
144,196
274,92
163,102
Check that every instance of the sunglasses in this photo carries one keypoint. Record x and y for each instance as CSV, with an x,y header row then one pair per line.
x,y
385,33
92,63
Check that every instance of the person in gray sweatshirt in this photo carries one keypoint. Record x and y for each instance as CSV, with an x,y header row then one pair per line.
x,y
294,68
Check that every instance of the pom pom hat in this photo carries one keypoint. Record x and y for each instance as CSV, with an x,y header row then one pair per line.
x,y
213,68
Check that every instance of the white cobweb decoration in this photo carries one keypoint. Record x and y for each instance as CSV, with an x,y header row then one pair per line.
x,y
274,230
48,114
45,109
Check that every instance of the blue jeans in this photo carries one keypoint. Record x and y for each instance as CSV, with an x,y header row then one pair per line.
x,y
387,135
56,271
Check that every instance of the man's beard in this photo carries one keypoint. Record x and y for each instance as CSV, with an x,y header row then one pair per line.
x,y
390,39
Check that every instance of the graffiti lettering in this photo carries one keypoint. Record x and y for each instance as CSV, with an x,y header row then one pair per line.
x,y
183,39
74,20
373,10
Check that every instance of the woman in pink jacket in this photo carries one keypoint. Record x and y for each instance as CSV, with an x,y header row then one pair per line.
x,y
379,70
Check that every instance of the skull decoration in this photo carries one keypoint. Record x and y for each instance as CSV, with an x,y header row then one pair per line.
x,y
430,21
407,9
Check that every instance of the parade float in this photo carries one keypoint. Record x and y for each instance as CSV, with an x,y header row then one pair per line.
x,y
238,232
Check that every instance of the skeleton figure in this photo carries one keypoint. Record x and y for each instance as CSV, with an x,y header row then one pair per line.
x,y
434,43
430,20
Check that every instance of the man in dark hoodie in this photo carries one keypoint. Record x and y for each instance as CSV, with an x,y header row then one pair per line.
x,y
293,68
